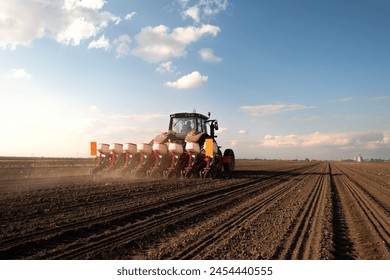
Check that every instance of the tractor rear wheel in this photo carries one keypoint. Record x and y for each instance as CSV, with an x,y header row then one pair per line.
x,y
229,166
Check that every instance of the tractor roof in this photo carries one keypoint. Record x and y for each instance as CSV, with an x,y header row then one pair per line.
x,y
188,115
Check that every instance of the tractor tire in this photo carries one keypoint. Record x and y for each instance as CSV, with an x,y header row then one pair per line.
x,y
229,167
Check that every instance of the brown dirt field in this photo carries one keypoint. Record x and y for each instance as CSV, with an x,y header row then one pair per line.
x,y
51,209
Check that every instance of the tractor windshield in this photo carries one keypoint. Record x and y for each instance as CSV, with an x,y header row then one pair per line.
x,y
186,124
180,125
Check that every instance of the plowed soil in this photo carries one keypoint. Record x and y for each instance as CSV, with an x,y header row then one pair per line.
x,y
51,209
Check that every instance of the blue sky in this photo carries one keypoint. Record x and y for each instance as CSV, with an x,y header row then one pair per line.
x,y
285,79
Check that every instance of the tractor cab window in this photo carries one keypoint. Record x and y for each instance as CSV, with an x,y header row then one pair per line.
x,y
183,125
186,124
202,127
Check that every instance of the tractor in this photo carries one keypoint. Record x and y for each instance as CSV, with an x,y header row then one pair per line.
x,y
188,149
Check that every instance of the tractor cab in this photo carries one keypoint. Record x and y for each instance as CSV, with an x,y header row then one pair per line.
x,y
182,123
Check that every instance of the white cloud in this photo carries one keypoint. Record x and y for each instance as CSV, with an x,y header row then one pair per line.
x,y
222,130
335,139
130,15
346,99
192,12
342,140
68,22
279,141
213,7
156,44
272,109
233,143
166,67
101,43
122,45
202,9
383,97
18,74
242,131
209,56
89,4
77,31
21,30
195,79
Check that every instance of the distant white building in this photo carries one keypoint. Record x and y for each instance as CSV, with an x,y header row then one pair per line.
x,y
359,158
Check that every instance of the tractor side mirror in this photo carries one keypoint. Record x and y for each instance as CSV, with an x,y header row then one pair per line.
x,y
216,125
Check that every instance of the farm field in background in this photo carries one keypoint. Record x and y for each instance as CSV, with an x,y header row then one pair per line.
x,y
53,209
